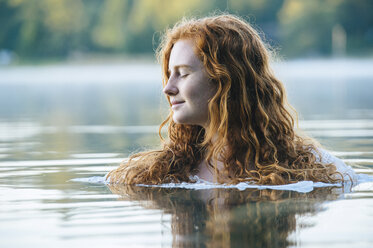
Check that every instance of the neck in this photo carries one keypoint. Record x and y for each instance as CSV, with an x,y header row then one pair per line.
x,y
208,170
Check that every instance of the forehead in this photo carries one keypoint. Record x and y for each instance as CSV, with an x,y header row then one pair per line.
x,y
182,53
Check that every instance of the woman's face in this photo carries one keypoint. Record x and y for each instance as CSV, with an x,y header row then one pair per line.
x,y
188,87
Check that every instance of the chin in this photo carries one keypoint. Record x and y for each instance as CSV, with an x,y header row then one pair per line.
x,y
180,120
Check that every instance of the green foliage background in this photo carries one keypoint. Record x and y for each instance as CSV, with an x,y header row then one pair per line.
x,y
39,29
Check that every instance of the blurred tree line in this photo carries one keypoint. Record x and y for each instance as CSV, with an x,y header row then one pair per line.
x,y
38,29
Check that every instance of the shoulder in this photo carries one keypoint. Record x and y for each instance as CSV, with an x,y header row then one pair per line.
x,y
346,170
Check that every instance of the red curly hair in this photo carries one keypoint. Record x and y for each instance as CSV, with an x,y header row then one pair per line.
x,y
249,114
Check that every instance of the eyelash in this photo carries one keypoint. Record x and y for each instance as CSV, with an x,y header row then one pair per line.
x,y
180,75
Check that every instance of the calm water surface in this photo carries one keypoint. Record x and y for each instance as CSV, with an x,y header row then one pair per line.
x,y
59,123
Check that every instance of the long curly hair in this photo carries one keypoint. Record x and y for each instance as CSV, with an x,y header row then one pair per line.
x,y
250,123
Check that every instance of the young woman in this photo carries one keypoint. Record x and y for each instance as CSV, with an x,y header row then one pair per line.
x,y
229,120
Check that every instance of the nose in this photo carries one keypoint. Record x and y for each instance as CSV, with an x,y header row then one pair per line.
x,y
170,88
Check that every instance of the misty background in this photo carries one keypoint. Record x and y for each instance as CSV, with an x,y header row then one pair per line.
x,y
48,30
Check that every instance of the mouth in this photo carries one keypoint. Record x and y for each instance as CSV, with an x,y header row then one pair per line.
x,y
176,103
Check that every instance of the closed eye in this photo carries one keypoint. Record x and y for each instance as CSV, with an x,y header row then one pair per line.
x,y
184,75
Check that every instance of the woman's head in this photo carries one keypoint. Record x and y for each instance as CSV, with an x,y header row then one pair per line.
x,y
233,57
188,88
247,107
227,106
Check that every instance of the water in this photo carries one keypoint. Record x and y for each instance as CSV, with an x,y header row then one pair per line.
x,y
62,128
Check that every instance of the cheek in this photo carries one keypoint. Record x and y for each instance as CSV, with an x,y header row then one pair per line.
x,y
199,99
205,94
200,91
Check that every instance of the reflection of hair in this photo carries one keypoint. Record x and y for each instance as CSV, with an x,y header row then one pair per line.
x,y
249,112
229,217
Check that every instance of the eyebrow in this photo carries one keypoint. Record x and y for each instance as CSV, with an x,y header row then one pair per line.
x,y
181,66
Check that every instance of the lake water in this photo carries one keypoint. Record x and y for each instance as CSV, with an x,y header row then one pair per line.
x,y
63,127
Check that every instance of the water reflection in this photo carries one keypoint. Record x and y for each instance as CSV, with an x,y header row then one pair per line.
x,y
229,217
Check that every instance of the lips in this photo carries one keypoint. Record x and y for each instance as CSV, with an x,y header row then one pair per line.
x,y
175,102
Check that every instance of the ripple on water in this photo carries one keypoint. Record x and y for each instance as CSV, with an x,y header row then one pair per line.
x,y
303,186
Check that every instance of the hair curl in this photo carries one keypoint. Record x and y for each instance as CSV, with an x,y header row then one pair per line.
x,y
250,120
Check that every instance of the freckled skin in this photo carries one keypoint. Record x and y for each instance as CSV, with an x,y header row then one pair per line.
x,y
188,85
